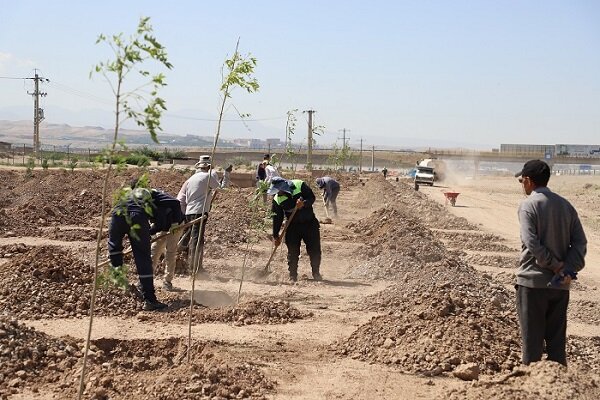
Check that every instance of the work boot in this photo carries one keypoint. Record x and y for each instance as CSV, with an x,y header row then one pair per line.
x,y
317,276
168,286
154,305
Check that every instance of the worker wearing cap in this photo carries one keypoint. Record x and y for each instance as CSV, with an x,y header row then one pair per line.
x,y
304,226
331,189
553,251
196,196
270,170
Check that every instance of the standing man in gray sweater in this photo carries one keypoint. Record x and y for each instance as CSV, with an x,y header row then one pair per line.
x,y
553,251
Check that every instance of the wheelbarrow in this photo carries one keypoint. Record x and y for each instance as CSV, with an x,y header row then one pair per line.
x,y
451,197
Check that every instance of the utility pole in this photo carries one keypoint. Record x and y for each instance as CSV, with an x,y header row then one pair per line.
x,y
373,158
310,139
38,113
360,159
344,130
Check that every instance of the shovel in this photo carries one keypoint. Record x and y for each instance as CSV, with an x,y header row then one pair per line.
x,y
265,271
327,220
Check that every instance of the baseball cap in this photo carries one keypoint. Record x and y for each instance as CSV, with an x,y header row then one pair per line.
x,y
279,184
535,169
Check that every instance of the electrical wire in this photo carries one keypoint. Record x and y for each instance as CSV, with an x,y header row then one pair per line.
x,y
69,90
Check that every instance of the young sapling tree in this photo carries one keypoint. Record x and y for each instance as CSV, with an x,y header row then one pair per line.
x,y
141,104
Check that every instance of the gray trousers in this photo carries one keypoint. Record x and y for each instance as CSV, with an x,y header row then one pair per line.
x,y
543,319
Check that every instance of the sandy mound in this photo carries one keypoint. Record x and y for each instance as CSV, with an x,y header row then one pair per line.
x,y
492,260
30,358
48,281
437,325
474,241
251,312
449,277
543,380
394,242
58,284
119,366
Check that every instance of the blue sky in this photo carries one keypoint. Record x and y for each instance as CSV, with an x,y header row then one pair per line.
x,y
465,73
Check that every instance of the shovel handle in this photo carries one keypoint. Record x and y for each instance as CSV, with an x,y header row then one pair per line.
x,y
282,236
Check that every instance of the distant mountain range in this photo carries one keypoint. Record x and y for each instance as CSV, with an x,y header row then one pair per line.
x,y
182,128
21,132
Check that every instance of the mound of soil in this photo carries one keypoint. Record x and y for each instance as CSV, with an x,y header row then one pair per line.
x,y
541,380
393,241
74,235
585,311
29,358
492,260
474,241
12,250
54,198
584,352
433,214
158,369
231,217
439,318
450,277
48,281
251,312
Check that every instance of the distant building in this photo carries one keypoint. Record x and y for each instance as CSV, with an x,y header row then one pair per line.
x,y
250,143
5,146
551,150
274,143
533,149
578,150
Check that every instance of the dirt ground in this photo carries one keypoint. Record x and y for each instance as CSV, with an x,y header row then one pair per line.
x,y
416,301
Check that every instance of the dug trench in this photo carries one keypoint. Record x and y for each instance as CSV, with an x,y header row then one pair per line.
x,y
405,310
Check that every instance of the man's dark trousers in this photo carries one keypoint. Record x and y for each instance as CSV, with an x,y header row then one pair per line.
x,y
140,246
309,233
543,318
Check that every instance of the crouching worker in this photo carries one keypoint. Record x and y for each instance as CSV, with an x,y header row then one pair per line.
x,y
131,217
167,216
304,226
331,189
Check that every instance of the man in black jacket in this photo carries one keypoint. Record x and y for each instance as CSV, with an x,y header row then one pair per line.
x,y
132,218
304,226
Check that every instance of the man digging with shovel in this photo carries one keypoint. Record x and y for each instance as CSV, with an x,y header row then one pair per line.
x,y
331,189
302,223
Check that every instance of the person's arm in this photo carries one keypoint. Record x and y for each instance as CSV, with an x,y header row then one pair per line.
x,y
531,240
277,212
307,194
269,173
226,180
213,182
575,259
182,197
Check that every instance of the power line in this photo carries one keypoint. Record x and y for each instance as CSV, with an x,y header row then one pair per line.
x,y
167,115
12,77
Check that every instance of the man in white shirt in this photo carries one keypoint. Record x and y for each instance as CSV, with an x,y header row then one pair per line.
x,y
196,196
